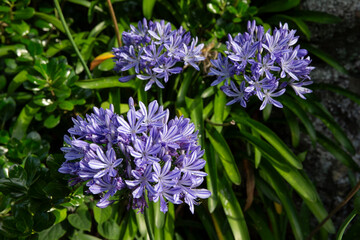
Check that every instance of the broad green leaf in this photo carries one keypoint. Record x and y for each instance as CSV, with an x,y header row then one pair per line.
x,y
105,82
278,6
60,215
7,108
316,16
52,121
55,232
272,138
4,50
24,119
80,220
326,57
207,111
102,214
43,220
25,13
222,148
21,28
109,229
51,19
337,152
212,7
148,6
282,191
232,210
107,65
66,105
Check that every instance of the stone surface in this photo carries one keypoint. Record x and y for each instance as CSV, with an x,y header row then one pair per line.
x,y
342,42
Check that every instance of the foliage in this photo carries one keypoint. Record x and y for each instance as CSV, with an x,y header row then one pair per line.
x,y
254,158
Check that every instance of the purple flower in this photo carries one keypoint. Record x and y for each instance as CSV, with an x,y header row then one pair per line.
x,y
156,52
144,156
262,64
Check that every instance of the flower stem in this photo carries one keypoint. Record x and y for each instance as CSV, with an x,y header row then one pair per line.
x,y
160,97
67,31
147,222
113,18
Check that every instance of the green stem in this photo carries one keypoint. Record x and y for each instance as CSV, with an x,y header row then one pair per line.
x,y
114,98
147,222
160,97
67,31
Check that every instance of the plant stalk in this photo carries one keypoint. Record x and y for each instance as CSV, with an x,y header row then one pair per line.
x,y
67,31
113,18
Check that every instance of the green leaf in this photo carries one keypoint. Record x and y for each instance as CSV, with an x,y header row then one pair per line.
x,y
66,105
271,177
78,235
105,82
219,108
294,127
222,148
260,224
272,138
7,108
267,112
4,50
278,6
107,65
43,220
232,210
24,119
80,220
159,216
344,225
213,8
211,179
54,233
302,185
109,229
326,57
60,215
52,121
316,17
25,13
299,23
51,19
169,223
148,6
301,114
141,221
208,92
21,28
102,214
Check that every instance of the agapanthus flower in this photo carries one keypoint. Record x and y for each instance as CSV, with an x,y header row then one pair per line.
x,y
262,64
142,156
156,52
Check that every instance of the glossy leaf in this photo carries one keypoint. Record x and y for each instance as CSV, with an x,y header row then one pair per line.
x,y
52,121
222,148
272,138
148,6
232,210
105,82
80,220
51,19
102,214
55,232
24,119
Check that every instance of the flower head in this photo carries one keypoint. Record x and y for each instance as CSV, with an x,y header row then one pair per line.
x,y
156,52
263,64
143,155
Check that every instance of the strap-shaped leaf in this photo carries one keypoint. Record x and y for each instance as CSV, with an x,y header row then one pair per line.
x,y
345,224
105,82
260,225
289,173
282,191
272,138
232,210
339,90
301,114
227,159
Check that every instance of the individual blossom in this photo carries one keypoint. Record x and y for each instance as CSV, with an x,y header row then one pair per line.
x,y
262,64
156,52
144,155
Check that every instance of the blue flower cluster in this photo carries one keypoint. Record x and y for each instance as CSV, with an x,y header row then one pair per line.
x,y
141,155
263,64
154,50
